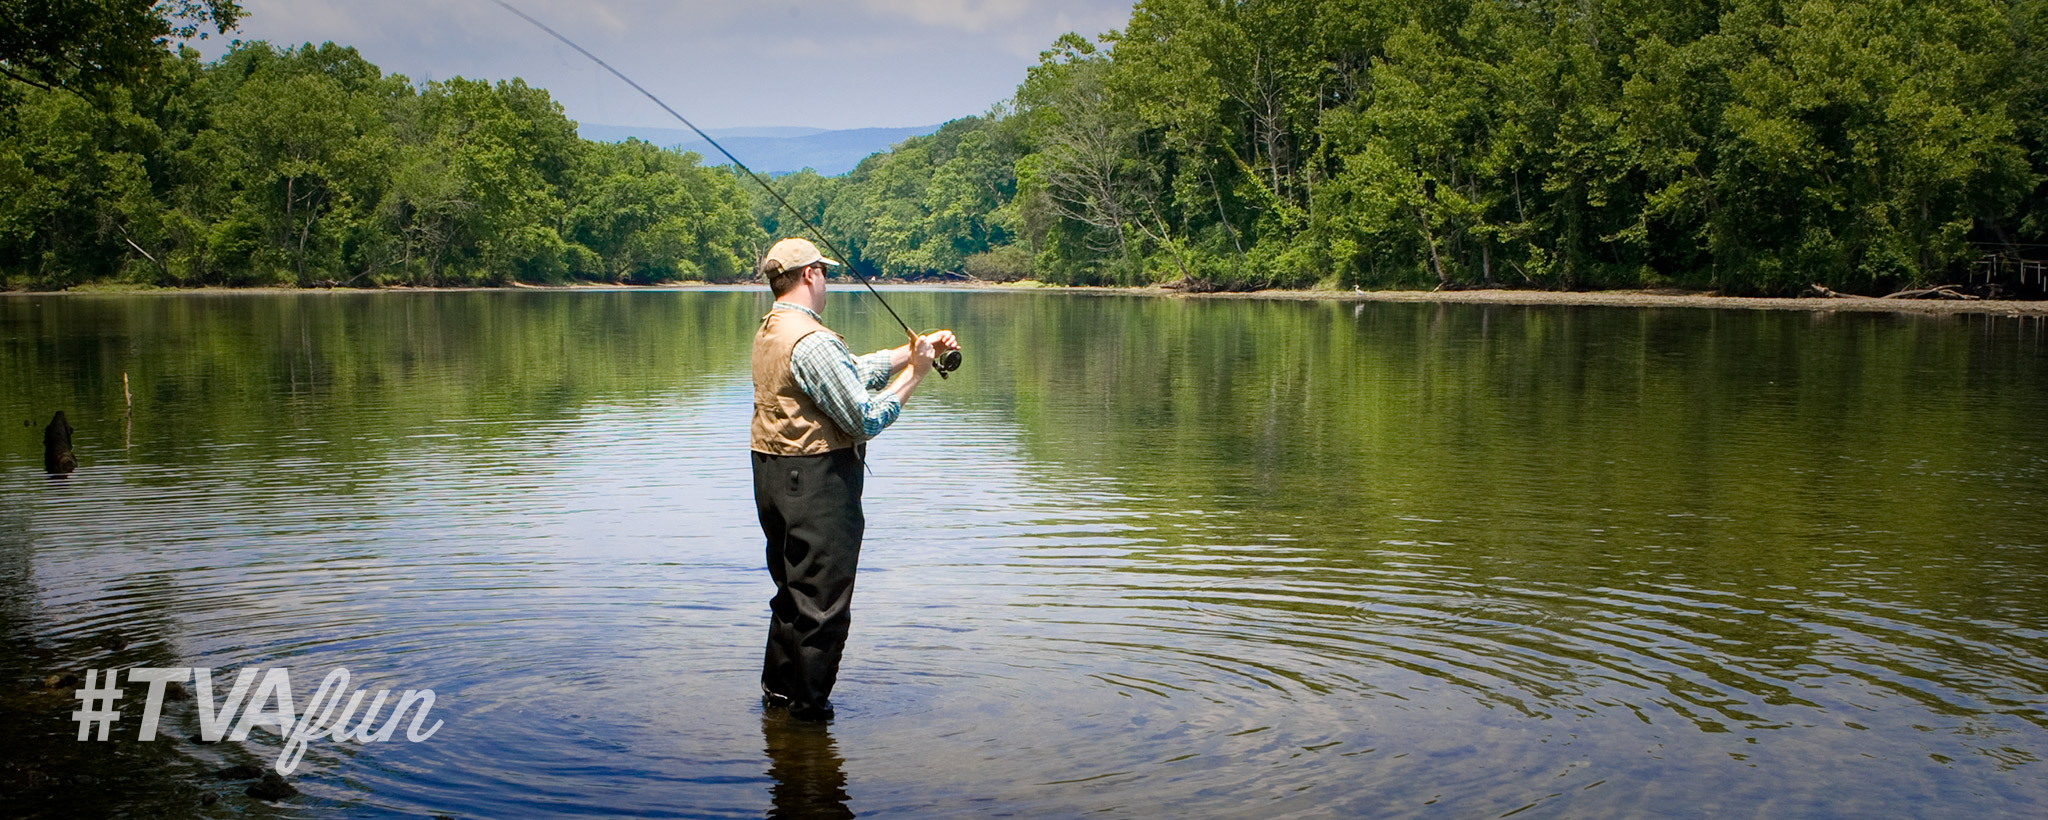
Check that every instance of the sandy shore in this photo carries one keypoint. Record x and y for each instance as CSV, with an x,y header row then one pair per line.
x,y
1611,298
1616,298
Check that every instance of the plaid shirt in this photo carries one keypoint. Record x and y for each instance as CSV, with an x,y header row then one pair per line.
x,y
842,384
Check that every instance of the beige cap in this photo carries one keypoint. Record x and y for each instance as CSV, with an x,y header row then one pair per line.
x,y
795,252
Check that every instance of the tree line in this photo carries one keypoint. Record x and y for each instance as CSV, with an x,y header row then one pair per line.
x,y
1743,146
308,166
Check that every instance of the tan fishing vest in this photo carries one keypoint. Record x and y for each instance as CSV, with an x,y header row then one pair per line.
x,y
787,422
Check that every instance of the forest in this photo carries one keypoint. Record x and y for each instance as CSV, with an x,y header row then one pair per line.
x,y
1739,146
307,167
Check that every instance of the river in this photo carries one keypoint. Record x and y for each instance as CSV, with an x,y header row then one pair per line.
x,y
1141,557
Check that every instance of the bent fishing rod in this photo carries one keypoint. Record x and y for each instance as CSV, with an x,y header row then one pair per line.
x,y
946,362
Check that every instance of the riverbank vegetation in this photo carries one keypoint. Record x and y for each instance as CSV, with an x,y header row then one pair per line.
x,y
1744,146
308,166
1740,146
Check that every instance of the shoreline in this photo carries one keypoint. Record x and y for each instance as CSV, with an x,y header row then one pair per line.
x,y
1609,298
1601,298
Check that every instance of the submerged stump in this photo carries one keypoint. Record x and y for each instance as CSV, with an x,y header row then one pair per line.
x,y
57,458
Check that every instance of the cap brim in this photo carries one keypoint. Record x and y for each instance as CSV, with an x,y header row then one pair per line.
x,y
828,261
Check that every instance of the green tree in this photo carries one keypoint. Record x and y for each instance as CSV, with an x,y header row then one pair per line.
x,y
806,191
1084,178
1868,125
79,204
648,215
510,152
299,148
933,201
87,45
2028,79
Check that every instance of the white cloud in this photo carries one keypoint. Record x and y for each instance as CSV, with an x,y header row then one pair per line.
x,y
724,63
975,16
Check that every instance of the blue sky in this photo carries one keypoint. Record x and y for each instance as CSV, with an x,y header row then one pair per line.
x,y
722,63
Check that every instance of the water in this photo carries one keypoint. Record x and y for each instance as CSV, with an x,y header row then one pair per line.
x,y
1142,557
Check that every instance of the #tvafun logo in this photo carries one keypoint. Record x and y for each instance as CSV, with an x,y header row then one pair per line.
x,y
326,715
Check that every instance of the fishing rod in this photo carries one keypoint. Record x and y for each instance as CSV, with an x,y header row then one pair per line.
x,y
944,363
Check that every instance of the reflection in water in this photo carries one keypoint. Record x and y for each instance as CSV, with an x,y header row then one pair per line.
x,y
1146,556
45,771
809,776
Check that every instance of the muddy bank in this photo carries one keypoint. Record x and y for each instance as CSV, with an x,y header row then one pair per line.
x,y
1613,298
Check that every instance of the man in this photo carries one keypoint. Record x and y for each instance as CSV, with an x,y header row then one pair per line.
x,y
813,414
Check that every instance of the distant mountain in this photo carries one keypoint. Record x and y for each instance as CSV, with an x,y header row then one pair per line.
x,y
771,150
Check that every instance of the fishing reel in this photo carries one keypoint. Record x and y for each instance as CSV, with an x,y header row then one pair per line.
x,y
943,361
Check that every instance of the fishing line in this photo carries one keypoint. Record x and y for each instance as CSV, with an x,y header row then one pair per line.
x,y
951,358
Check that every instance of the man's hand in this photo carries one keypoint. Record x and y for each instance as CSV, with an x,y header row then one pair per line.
x,y
918,355
942,341
921,354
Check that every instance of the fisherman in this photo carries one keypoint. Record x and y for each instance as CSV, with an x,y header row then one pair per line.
x,y
813,415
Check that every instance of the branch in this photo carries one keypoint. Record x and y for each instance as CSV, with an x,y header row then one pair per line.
x,y
1937,292
138,249
24,80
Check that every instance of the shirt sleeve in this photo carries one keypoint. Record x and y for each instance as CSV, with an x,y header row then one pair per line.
x,y
837,381
874,369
